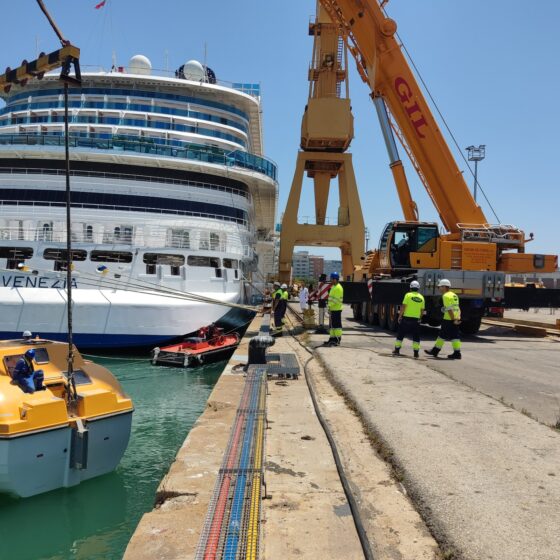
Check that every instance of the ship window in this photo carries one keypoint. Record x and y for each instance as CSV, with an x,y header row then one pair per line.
x,y
162,258
180,238
218,273
47,232
15,255
61,255
88,233
231,263
175,270
80,377
196,260
150,269
41,356
111,256
16,252
214,241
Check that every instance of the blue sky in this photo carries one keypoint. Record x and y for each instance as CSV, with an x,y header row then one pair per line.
x,y
493,67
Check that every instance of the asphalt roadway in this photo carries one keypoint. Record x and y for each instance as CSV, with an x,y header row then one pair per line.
x,y
483,475
520,371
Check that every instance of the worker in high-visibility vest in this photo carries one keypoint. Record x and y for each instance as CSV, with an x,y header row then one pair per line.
x,y
334,303
276,298
450,325
412,308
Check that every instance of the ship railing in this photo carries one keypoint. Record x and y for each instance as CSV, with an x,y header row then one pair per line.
x,y
121,230
154,237
147,146
252,89
118,177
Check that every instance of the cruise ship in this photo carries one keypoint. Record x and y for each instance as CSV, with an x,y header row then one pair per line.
x,y
173,203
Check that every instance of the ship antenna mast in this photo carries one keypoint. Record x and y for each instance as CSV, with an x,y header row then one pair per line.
x,y
66,78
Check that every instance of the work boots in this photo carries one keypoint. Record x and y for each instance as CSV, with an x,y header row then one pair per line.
x,y
416,353
433,352
396,352
333,341
455,356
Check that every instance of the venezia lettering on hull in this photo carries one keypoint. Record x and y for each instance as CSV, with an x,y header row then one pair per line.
x,y
35,282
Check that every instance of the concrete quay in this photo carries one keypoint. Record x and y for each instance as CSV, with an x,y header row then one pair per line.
x,y
306,514
446,460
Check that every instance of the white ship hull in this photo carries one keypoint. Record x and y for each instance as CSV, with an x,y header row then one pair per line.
x,y
106,318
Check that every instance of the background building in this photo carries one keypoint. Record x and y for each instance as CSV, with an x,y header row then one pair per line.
x,y
316,265
300,265
332,266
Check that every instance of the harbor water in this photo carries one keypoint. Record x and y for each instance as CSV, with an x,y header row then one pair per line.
x,y
95,520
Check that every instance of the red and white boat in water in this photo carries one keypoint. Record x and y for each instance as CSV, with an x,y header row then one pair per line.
x,y
210,345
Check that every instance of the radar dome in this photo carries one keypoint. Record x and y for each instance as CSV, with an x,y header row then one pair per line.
x,y
140,64
194,71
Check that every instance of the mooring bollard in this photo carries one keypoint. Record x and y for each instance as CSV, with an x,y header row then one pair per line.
x,y
259,344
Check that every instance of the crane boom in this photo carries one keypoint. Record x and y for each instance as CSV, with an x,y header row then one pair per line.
x,y
370,35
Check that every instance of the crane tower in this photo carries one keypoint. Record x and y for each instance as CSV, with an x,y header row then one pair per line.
x,y
326,133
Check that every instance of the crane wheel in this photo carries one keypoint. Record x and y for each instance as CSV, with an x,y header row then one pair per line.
x,y
392,317
357,311
383,312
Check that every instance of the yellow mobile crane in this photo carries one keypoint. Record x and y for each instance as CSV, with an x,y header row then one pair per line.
x,y
474,254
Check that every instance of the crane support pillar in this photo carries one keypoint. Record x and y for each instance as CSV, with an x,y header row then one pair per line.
x,y
348,234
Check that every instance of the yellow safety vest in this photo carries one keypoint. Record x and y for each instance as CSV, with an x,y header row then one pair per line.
x,y
285,294
336,295
451,303
415,304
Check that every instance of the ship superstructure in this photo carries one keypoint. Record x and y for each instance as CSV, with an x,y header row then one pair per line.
x,y
170,191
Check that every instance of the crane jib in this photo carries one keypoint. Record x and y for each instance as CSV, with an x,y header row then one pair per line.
x,y
411,106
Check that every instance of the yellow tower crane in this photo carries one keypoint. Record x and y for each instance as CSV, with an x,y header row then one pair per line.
x,y
326,133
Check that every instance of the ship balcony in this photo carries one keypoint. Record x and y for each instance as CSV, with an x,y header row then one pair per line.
x,y
89,231
148,146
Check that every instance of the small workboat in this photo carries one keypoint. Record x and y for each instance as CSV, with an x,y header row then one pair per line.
x,y
64,431
211,345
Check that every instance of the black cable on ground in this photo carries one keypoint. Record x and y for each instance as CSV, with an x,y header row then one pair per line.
x,y
362,534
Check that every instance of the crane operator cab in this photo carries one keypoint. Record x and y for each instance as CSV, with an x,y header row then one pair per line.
x,y
409,246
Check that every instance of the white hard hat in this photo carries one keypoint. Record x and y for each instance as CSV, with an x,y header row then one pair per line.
x,y
444,282
276,284
26,334
284,286
415,285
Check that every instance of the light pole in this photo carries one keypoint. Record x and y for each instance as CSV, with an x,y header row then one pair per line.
x,y
367,238
476,155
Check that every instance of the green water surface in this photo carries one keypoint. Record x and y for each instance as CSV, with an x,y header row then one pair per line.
x,y
95,520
